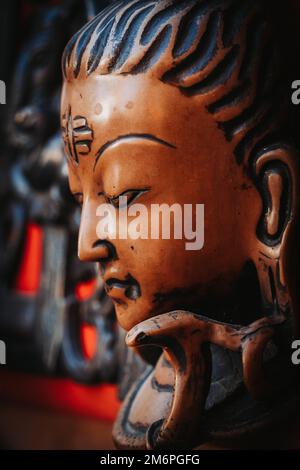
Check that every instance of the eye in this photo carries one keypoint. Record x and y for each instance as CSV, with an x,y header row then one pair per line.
x,y
131,195
78,198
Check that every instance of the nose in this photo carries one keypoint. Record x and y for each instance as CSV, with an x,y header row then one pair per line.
x,y
90,247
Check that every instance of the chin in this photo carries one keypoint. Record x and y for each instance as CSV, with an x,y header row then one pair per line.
x,y
132,313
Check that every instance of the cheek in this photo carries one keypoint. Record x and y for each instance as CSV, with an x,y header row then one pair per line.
x,y
140,257
159,265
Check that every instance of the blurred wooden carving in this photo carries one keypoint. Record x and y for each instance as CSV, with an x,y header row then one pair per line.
x,y
48,299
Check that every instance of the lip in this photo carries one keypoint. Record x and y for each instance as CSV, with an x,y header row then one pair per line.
x,y
117,289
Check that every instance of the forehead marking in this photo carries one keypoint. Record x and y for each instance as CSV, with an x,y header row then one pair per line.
x,y
77,135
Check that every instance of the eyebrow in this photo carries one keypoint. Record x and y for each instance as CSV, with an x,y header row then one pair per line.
x,y
121,138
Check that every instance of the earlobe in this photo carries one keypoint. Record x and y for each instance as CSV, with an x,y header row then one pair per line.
x,y
274,184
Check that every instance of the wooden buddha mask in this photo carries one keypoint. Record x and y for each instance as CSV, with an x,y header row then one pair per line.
x,y
180,102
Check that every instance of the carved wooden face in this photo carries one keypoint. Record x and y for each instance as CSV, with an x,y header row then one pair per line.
x,y
139,137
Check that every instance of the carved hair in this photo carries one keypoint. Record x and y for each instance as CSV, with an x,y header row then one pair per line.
x,y
223,50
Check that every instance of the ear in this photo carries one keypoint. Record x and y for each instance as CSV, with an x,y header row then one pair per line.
x,y
276,174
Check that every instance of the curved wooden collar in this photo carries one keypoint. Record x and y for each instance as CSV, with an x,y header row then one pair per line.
x,y
173,419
